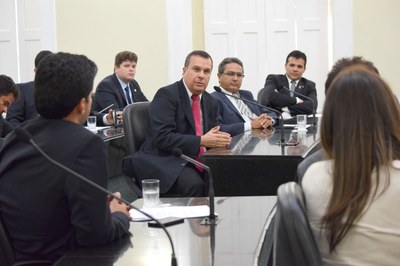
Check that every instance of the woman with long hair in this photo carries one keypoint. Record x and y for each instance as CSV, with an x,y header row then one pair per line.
x,y
353,198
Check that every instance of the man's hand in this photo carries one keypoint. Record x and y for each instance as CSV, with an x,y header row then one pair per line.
x,y
110,117
215,138
262,122
117,206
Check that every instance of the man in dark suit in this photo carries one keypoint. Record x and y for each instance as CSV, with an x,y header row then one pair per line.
x,y
24,107
182,115
45,209
8,93
120,88
237,116
276,96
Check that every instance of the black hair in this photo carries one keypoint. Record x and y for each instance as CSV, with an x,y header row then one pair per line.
x,y
39,57
298,55
61,81
8,86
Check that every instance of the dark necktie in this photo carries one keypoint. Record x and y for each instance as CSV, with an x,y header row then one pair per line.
x,y
197,121
292,87
128,96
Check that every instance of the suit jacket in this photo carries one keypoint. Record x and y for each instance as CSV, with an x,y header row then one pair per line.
x,y
109,91
23,108
5,127
274,95
171,126
229,117
47,210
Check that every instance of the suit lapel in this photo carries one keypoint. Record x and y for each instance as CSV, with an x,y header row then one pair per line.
x,y
283,81
225,99
186,106
119,92
300,86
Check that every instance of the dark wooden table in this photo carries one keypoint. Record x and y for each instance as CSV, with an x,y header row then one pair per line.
x,y
260,165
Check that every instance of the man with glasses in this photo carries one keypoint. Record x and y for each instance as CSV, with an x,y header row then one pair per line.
x,y
277,89
237,116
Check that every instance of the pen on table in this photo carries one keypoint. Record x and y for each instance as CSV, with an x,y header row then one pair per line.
x,y
111,105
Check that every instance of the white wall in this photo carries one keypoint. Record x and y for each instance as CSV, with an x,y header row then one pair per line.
x,y
376,36
101,28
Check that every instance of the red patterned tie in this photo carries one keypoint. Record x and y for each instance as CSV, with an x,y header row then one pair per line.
x,y
197,121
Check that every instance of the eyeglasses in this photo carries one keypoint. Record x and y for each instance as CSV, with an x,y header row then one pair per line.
x,y
232,74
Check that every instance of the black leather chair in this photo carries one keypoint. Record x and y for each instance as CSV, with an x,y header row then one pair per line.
x,y
294,242
314,154
136,119
7,257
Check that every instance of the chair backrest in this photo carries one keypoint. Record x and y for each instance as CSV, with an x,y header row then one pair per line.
x,y
313,148
135,117
6,250
294,242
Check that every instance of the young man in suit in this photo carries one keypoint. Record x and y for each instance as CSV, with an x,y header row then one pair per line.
x,y
276,96
9,92
182,115
237,116
24,107
120,88
45,209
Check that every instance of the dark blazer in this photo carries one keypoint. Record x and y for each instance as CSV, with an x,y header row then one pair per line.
x,y
5,127
23,108
109,91
229,117
47,210
171,126
274,95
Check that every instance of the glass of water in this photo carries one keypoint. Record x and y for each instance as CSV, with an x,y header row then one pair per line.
x,y
91,123
301,122
151,193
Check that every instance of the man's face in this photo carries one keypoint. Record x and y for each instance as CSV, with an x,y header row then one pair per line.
x,y
5,102
126,71
231,79
197,74
295,68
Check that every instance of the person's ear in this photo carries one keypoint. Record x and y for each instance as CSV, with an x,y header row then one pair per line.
x,y
81,107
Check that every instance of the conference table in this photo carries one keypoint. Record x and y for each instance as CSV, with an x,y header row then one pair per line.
x,y
236,240
256,164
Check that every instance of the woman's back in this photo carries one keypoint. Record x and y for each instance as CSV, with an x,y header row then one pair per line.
x,y
374,239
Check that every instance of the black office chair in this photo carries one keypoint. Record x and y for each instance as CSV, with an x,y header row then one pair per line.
x,y
314,154
136,119
294,242
7,256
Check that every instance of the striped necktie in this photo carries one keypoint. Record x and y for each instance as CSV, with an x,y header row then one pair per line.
x,y
292,87
243,108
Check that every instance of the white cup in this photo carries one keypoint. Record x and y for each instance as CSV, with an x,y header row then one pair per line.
x,y
91,122
151,193
301,122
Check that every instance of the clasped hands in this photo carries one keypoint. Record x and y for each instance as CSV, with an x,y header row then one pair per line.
x,y
215,138
263,121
